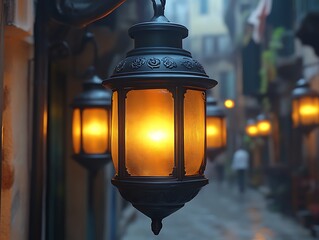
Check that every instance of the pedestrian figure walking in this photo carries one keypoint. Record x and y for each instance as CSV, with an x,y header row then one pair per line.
x,y
240,166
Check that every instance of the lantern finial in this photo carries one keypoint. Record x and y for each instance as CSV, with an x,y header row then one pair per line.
x,y
159,8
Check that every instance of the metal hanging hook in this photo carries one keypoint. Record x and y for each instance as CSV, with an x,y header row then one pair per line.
x,y
159,7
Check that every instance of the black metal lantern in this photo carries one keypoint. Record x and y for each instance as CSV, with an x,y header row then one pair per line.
x,y
216,129
305,107
251,128
91,124
263,125
158,120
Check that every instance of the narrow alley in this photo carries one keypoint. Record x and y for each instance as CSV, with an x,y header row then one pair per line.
x,y
220,213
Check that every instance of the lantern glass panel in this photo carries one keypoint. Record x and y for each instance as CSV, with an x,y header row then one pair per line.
x,y
95,130
216,132
76,131
306,111
194,131
149,132
114,132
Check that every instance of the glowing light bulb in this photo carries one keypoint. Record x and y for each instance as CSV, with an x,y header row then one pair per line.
x,y
264,127
252,130
157,135
212,131
308,110
229,103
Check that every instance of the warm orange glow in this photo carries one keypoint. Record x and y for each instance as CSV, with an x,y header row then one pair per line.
x,y
264,127
76,131
216,132
194,131
252,130
305,111
212,131
149,132
95,131
157,136
157,132
308,110
229,103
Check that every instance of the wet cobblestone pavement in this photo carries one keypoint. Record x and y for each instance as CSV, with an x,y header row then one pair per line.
x,y
221,214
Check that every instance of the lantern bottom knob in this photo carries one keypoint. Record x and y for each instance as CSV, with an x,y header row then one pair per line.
x,y
158,197
156,226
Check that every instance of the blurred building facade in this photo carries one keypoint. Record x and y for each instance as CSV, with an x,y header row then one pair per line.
x,y
271,68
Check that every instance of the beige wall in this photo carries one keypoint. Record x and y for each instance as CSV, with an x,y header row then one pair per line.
x,y
16,138
212,23
18,50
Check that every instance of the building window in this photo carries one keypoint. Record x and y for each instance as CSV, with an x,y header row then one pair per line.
x,y
203,7
210,46
224,44
215,46
227,84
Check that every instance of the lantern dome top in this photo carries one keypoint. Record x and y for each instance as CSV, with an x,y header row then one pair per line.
x,y
303,89
251,121
158,56
261,117
213,110
94,94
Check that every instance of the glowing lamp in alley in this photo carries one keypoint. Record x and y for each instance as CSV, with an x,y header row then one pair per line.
x,y
263,125
91,124
158,120
251,128
305,106
229,103
216,129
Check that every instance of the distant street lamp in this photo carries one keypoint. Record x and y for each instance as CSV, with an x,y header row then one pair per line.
x,y
91,124
305,107
263,125
91,135
158,120
251,128
229,103
216,129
